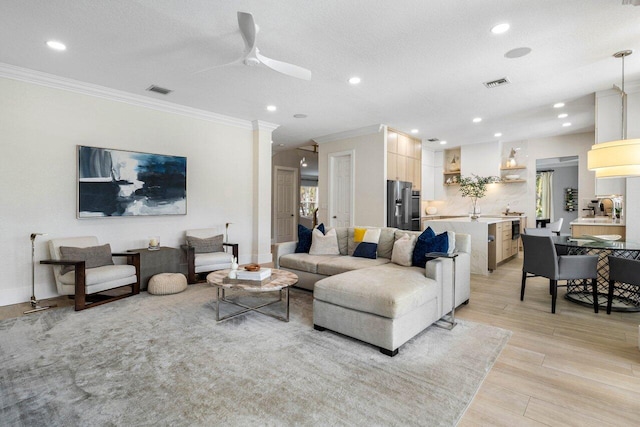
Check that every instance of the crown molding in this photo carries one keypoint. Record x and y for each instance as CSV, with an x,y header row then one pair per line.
x,y
57,82
261,125
367,130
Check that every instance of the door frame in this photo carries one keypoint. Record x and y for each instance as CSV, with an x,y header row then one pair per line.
x,y
332,159
296,203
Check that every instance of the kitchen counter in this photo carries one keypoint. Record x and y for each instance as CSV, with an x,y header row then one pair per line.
x,y
596,226
606,221
479,231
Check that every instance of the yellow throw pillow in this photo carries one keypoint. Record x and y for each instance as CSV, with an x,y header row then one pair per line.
x,y
358,234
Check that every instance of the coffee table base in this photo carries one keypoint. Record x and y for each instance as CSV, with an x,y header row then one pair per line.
x,y
220,296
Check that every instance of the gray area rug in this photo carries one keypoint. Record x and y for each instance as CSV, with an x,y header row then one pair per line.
x,y
163,360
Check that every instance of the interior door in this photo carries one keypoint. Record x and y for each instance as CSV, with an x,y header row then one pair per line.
x,y
285,204
341,190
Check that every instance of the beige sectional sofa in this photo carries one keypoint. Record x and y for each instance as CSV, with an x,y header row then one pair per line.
x,y
375,300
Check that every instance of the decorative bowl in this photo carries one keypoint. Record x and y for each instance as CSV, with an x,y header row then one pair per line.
x,y
431,210
252,267
512,177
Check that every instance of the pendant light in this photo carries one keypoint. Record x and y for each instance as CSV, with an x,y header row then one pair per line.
x,y
621,158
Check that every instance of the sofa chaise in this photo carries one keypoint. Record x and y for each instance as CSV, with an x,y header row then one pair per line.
x,y
375,300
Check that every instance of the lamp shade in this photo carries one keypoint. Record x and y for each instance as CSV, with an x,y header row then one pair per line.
x,y
615,159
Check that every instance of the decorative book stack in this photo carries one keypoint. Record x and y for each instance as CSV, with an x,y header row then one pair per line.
x,y
257,278
259,275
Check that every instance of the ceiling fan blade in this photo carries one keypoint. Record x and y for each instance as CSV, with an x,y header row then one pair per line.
x,y
248,30
236,61
285,68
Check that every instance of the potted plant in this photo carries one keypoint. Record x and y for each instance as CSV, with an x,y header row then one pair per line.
x,y
475,186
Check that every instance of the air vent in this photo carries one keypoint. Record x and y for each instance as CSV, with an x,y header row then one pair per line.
x,y
158,89
433,140
495,83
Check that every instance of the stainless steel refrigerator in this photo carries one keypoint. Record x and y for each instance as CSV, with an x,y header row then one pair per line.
x,y
399,212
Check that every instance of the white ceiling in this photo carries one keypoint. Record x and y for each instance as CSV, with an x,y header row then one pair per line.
x,y
422,62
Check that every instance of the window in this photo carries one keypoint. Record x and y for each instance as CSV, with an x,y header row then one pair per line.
x,y
308,200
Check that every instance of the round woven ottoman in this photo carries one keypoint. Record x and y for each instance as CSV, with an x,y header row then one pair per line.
x,y
167,284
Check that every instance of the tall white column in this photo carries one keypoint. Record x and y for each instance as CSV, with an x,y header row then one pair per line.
x,y
261,248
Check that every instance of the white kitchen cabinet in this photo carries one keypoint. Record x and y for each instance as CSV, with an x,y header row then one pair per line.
x,y
427,178
438,176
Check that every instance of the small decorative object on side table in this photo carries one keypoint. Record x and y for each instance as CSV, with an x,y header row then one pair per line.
x,y
451,322
154,243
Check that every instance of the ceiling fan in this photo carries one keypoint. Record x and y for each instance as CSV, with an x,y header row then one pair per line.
x,y
253,57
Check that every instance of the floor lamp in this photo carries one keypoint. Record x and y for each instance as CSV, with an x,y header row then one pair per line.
x,y
34,302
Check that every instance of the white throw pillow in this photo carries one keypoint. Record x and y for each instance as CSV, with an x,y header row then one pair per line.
x,y
324,244
402,253
452,242
372,235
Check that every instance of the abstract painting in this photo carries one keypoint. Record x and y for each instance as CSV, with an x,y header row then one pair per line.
x,y
128,183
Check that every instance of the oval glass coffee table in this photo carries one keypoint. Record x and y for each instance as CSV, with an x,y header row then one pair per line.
x,y
280,281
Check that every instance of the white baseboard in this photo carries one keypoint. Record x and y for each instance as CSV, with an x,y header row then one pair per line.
x,y
22,294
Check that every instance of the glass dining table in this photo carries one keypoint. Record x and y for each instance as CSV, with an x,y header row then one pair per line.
x,y
625,297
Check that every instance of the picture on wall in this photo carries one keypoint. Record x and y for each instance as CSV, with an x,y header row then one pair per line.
x,y
128,183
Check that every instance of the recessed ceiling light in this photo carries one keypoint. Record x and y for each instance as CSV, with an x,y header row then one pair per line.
x,y
56,45
414,130
300,116
563,115
558,105
497,134
566,124
271,108
355,80
477,120
518,52
443,142
500,28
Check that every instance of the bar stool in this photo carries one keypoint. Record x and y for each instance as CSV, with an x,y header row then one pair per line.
x,y
622,270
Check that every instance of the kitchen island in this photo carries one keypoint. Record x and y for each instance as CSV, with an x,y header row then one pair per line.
x,y
485,255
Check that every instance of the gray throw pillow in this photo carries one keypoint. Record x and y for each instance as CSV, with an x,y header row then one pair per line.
x,y
208,245
93,256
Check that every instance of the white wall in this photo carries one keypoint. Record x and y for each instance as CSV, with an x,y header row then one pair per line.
x,y
40,128
370,177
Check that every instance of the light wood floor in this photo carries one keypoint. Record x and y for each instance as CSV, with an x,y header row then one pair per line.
x,y
572,368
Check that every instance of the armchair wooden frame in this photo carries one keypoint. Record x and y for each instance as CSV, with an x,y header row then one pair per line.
x,y
192,276
83,300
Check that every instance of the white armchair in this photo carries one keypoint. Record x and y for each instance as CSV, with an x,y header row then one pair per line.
x,y
206,260
86,282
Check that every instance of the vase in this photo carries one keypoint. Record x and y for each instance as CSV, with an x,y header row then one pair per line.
x,y
475,210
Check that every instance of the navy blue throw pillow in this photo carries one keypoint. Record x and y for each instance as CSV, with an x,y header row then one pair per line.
x,y
423,245
366,250
304,238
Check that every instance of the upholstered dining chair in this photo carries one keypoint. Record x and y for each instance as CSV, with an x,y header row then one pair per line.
x,y
206,252
541,259
555,226
537,231
84,269
622,270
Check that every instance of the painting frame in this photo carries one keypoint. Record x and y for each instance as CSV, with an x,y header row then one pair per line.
x,y
112,182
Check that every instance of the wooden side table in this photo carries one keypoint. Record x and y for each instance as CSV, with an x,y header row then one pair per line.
x,y
163,260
